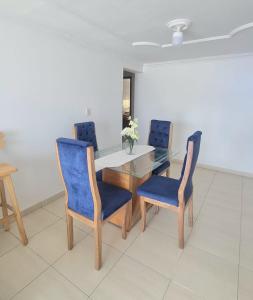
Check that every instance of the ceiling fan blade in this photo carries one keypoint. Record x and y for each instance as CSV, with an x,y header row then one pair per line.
x,y
146,44
166,45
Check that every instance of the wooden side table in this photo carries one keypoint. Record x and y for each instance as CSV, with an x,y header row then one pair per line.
x,y
6,183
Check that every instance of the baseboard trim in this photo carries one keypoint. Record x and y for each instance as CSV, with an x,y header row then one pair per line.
x,y
42,203
36,206
218,169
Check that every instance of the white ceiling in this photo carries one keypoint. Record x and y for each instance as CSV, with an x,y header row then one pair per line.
x,y
115,24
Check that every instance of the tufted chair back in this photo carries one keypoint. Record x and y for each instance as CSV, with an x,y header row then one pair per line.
x,y
86,132
74,168
196,139
159,135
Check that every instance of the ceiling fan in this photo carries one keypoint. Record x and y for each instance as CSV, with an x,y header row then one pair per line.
x,y
178,26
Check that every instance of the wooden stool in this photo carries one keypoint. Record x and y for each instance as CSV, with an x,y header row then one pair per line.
x,y
6,182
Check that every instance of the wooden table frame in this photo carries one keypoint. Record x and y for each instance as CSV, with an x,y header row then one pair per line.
x,y
129,183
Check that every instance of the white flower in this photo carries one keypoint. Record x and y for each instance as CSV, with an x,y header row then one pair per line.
x,y
131,131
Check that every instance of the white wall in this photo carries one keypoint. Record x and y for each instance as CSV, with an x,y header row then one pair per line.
x,y
215,96
45,84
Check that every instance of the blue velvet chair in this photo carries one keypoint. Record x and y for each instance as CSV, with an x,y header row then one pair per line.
x,y
160,136
86,132
174,194
87,200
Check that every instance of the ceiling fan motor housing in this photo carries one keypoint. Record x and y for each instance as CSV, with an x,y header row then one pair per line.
x,y
179,24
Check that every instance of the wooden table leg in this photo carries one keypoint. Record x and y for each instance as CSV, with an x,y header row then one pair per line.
x,y
9,186
4,206
130,183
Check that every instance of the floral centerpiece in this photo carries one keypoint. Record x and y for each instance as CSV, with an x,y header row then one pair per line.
x,y
130,134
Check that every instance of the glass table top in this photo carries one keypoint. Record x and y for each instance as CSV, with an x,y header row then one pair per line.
x,y
142,162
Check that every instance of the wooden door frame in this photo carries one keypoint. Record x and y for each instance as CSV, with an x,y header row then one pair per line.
x,y
131,76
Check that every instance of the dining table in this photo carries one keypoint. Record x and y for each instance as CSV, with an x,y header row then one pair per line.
x,y
128,171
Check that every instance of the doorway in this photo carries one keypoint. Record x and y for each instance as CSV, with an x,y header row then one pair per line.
x,y
128,97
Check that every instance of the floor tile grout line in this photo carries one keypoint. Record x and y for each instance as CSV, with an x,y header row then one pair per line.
x,y
69,250
167,288
59,256
14,222
108,244
51,212
170,236
188,289
66,278
210,253
12,249
33,235
204,201
36,277
109,271
238,275
147,266
215,255
52,265
29,237
75,226
9,250
197,217
48,211
58,220
46,227
122,254
39,256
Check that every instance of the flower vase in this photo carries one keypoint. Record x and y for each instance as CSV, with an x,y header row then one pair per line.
x,y
131,146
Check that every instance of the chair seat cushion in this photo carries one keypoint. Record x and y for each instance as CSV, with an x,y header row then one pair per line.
x,y
161,168
112,198
160,188
99,176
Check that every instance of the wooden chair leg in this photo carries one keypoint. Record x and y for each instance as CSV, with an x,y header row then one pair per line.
x,y
4,206
143,214
168,172
70,233
181,228
157,208
98,244
124,223
9,185
190,212
129,216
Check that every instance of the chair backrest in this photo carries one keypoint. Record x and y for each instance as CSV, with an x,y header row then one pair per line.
x,y
86,132
76,162
159,135
190,161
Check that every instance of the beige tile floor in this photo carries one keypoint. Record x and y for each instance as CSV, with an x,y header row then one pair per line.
x,y
216,264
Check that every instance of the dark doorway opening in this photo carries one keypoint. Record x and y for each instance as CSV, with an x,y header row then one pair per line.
x,y
128,97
